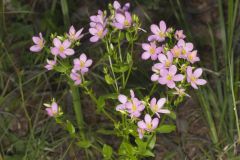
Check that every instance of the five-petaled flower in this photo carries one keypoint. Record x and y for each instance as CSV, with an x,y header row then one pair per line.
x,y
193,77
123,99
148,124
38,43
166,61
97,32
157,106
159,32
179,35
122,20
151,50
52,109
50,64
82,63
73,35
169,77
62,49
186,47
192,57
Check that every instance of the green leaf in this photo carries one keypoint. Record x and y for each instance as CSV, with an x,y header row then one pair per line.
x,y
148,153
107,151
119,68
166,128
61,69
152,142
108,79
70,128
84,144
128,36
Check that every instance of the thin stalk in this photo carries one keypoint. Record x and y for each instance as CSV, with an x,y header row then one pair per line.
x,y
120,56
77,108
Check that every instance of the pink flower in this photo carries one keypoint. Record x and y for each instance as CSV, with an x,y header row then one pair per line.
x,y
118,8
186,47
179,35
151,50
134,106
159,32
123,100
99,19
148,124
50,64
192,57
176,51
193,77
76,77
82,63
122,20
166,61
169,77
52,110
156,106
98,32
73,35
38,43
62,49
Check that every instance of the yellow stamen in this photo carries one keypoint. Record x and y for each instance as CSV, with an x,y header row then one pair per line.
x,y
168,63
152,50
82,64
169,77
100,33
184,52
193,79
161,34
126,23
61,49
149,125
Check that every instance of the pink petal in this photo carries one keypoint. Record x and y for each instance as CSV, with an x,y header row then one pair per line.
x,y
164,111
163,72
152,38
88,63
189,70
94,39
49,112
181,43
189,47
66,44
69,52
146,55
162,25
173,69
162,80
155,29
35,48
116,5
155,122
57,42
132,93
161,102
55,51
147,118
141,125
153,102
178,77
198,72
122,98
154,77
201,82
83,57
36,40
171,84
120,18
194,85
162,58
154,56
146,46
93,31
54,107
72,30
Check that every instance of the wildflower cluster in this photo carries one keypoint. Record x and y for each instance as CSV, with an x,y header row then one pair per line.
x,y
174,57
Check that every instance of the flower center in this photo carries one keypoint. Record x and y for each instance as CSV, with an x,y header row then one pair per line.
x,y
149,126
40,43
184,52
134,107
190,57
193,79
168,63
61,49
100,33
161,34
82,64
126,23
169,77
155,108
152,50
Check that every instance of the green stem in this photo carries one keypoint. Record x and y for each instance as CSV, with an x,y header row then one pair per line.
x,y
77,108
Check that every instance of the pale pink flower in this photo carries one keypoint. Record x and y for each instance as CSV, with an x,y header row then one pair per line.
x,y
82,63
98,32
169,77
99,19
117,6
192,57
166,61
76,77
156,68
193,77
38,43
73,35
122,20
50,64
179,35
62,49
181,92
151,50
157,106
159,32
134,106
148,124
186,47
52,110
176,51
